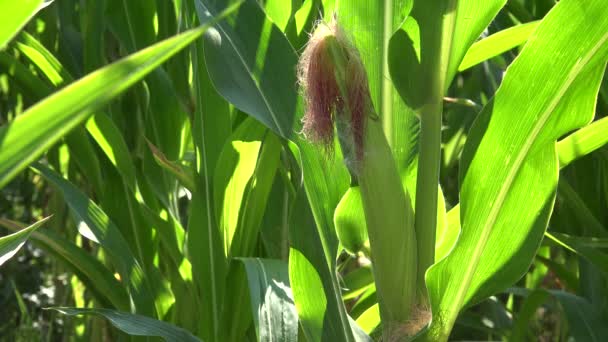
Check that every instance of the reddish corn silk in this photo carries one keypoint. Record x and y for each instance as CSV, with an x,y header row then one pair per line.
x,y
323,98
321,93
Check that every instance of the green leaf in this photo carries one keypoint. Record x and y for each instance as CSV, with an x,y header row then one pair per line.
x,y
584,247
274,312
582,142
280,11
243,177
209,264
585,322
447,233
10,244
497,43
211,126
252,64
500,163
312,270
136,325
464,23
43,59
29,135
109,139
81,149
14,15
370,319
95,225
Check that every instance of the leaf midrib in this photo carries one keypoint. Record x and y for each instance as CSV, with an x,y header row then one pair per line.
x,y
257,86
504,189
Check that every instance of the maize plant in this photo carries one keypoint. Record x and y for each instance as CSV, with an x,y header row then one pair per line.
x,y
304,170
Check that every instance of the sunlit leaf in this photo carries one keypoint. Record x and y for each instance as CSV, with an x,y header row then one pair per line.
x,y
500,162
10,244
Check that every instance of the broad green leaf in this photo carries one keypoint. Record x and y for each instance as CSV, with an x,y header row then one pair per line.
x,y
574,146
501,161
252,64
309,295
99,280
10,244
359,334
95,225
274,312
582,142
235,167
370,319
244,173
14,15
81,149
279,11
27,137
245,239
464,22
209,262
135,325
312,270
497,43
304,20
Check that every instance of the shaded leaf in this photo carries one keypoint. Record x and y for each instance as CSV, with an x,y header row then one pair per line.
x,y
136,325
274,312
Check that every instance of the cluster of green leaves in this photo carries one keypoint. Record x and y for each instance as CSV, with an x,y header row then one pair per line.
x,y
187,205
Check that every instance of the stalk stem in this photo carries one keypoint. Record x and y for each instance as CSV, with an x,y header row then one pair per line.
x,y
426,187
